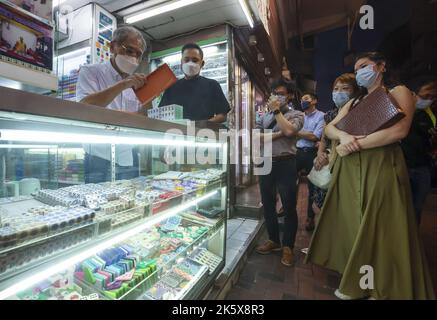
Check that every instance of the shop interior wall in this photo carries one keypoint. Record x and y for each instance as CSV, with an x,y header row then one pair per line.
x,y
180,40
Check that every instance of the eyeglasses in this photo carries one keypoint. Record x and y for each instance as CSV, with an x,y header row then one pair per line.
x,y
133,52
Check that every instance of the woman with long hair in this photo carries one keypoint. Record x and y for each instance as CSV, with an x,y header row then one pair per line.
x,y
367,231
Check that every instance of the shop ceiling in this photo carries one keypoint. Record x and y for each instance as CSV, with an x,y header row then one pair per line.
x,y
196,16
305,17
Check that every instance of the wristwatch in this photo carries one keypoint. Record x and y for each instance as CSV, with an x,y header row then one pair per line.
x,y
276,112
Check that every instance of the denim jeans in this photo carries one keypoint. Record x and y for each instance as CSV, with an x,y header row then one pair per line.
x,y
99,170
420,180
282,178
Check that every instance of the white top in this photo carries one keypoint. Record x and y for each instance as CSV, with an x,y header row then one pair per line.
x,y
97,77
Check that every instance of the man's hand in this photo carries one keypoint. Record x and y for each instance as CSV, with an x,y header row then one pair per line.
x,y
135,81
218,118
274,104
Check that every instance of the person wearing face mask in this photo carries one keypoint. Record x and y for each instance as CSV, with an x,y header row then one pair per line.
x,y
368,219
110,85
201,98
306,146
345,88
417,146
285,123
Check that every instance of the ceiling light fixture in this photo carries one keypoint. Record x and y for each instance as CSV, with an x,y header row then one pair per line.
x,y
57,3
148,13
246,11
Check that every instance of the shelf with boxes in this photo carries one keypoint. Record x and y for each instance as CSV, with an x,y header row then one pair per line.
x,y
123,237
134,267
44,225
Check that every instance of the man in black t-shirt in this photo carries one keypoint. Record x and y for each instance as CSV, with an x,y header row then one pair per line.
x,y
201,98
417,145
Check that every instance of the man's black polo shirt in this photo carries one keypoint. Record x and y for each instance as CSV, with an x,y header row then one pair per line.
x,y
201,98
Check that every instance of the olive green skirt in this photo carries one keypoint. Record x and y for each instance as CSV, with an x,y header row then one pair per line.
x,y
367,231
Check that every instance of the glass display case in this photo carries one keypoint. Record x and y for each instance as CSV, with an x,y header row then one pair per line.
x,y
93,206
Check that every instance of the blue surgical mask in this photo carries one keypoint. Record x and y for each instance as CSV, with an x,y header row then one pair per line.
x,y
305,105
366,77
422,104
340,98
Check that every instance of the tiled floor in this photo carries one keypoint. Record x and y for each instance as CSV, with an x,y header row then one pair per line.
x,y
248,196
265,278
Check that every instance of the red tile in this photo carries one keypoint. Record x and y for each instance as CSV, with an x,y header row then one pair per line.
x,y
273,295
306,289
307,281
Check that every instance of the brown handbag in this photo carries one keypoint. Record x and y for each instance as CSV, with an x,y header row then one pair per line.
x,y
379,110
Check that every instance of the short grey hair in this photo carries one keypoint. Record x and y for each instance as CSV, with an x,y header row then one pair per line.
x,y
122,33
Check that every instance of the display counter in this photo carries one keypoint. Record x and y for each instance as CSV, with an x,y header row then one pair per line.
x,y
94,205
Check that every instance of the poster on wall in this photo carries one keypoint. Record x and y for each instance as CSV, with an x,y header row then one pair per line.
x,y
25,41
41,8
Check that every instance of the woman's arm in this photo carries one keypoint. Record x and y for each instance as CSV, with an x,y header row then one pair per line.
x,y
322,157
398,131
322,145
346,140
331,131
389,135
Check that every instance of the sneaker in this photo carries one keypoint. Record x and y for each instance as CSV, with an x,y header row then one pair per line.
x,y
309,226
287,256
304,250
268,247
342,296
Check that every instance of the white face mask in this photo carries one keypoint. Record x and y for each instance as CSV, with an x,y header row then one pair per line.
x,y
126,64
422,104
191,69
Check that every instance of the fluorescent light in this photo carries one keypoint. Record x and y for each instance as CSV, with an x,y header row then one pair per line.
x,y
225,155
210,50
246,11
172,59
61,137
177,57
76,53
148,13
62,266
26,146
57,2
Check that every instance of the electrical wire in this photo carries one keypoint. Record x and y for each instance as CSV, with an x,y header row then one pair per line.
x,y
198,30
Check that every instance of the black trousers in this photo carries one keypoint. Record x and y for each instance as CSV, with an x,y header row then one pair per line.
x,y
281,179
420,181
305,161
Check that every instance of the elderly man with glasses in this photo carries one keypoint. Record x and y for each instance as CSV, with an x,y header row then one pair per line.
x,y
111,85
